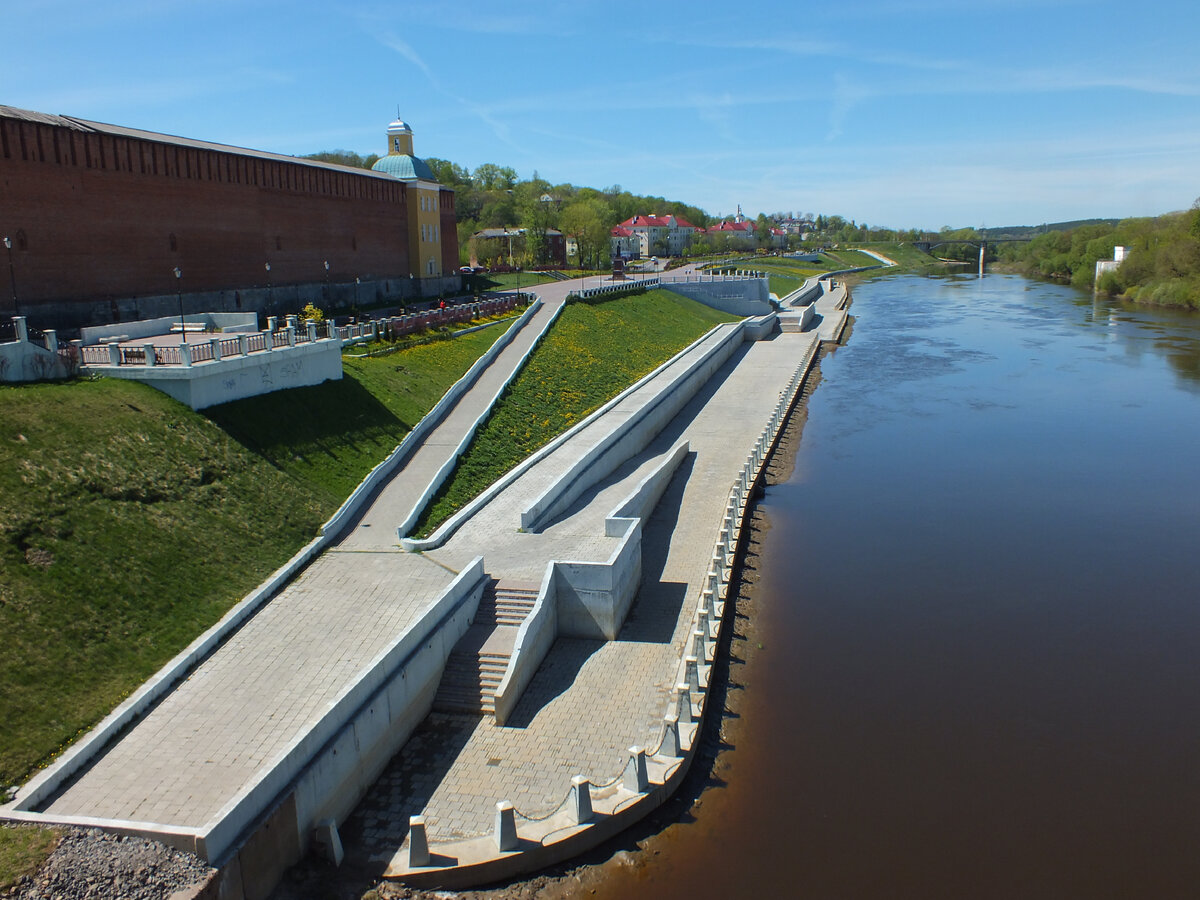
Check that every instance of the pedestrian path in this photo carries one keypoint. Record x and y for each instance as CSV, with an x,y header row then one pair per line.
x,y
241,710
590,700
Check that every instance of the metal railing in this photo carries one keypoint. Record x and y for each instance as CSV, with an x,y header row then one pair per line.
x,y
212,349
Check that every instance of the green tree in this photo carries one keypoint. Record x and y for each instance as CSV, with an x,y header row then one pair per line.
x,y
589,222
345,158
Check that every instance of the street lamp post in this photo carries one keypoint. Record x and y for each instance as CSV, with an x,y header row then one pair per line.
x,y
179,297
270,290
12,275
326,281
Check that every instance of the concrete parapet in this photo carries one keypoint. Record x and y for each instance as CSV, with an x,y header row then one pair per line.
x,y
328,768
635,432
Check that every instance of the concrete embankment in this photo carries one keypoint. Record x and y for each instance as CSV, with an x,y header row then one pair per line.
x,y
564,778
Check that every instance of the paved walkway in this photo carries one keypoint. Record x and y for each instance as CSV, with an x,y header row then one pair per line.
x,y
246,704
590,700
240,710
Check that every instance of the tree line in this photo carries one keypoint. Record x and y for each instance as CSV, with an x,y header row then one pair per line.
x,y
1162,266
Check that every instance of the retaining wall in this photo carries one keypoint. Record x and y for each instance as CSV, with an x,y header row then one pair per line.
x,y
329,768
237,377
580,600
633,434
738,297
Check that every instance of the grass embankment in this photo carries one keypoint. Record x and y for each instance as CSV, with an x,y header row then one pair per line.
x,y
785,275
851,259
22,849
129,524
594,351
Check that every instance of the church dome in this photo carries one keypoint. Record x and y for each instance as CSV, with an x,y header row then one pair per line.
x,y
404,167
399,127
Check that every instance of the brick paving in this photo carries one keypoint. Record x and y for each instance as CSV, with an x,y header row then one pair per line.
x,y
275,676
590,700
265,687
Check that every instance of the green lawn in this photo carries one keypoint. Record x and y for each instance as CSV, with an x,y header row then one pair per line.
x,y
594,351
507,281
129,524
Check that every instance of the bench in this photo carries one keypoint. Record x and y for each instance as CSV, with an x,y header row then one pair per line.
x,y
188,326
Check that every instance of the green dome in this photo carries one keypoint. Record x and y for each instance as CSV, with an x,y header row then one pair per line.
x,y
404,167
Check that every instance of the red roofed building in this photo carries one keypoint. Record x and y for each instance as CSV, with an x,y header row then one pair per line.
x,y
737,232
653,235
623,243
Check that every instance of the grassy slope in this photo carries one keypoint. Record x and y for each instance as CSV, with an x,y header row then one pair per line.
x,y
22,849
129,524
785,275
594,351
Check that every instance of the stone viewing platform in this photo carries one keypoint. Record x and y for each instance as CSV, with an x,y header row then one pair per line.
x,y
594,572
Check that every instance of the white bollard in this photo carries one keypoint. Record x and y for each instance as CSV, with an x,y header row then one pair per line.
x,y
698,645
505,832
418,843
636,778
148,349
670,742
683,703
693,673
326,834
581,795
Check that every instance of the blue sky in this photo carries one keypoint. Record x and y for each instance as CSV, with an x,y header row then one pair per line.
x,y
905,114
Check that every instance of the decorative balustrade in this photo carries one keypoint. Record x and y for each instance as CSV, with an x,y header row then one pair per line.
x,y
211,349
411,323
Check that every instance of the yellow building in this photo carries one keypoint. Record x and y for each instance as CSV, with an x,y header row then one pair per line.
x,y
432,235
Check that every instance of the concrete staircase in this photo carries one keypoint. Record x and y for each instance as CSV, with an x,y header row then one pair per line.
x,y
477,663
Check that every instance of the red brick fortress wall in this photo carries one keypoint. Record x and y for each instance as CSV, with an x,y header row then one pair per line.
x,y
95,215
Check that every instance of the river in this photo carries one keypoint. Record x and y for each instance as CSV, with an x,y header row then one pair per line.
x,y
975,666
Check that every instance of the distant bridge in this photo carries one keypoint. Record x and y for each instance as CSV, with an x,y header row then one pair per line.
x,y
926,245
981,243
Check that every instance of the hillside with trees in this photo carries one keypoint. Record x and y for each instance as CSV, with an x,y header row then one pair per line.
x,y
1162,266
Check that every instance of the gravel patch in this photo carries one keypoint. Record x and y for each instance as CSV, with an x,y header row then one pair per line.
x,y
90,864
